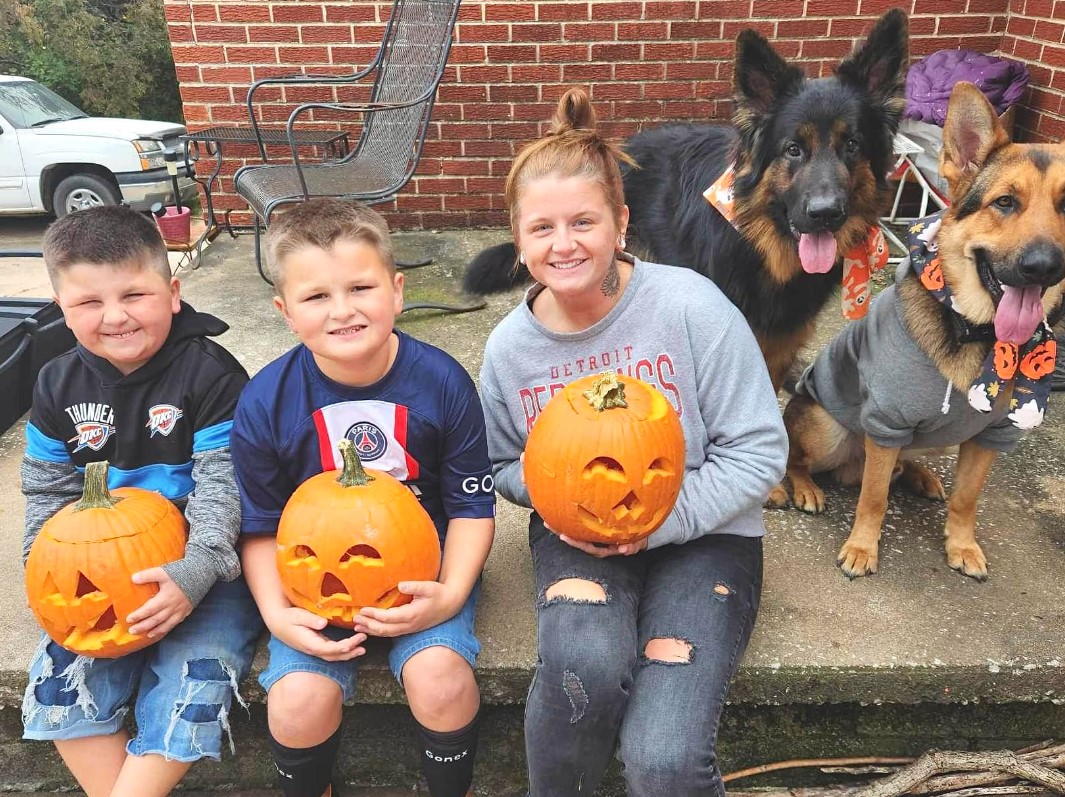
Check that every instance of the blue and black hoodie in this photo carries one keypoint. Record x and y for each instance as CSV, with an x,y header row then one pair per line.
x,y
163,427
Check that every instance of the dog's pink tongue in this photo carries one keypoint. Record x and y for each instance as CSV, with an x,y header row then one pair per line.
x,y
817,252
1018,314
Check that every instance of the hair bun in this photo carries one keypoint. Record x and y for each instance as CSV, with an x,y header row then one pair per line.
x,y
574,112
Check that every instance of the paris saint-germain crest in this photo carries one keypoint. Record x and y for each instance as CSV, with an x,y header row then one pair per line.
x,y
369,441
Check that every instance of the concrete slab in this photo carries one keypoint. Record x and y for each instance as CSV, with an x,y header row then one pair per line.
x,y
914,633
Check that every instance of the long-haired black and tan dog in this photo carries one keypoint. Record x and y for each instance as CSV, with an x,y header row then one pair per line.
x,y
809,158
959,352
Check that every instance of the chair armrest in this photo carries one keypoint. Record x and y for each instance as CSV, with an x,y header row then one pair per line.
x,y
301,80
364,107
368,107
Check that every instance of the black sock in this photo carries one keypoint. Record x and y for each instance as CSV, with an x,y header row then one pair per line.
x,y
305,771
447,758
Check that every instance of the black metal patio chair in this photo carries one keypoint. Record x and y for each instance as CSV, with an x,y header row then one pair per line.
x,y
406,71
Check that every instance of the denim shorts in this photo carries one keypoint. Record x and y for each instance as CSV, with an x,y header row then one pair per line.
x,y
184,684
455,634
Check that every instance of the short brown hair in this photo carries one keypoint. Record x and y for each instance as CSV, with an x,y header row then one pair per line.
x,y
107,235
322,222
572,148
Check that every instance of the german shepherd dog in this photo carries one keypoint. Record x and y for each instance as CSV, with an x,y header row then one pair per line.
x,y
810,160
973,314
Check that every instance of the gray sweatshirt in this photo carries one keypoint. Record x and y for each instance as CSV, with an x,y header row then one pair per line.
x,y
874,380
674,329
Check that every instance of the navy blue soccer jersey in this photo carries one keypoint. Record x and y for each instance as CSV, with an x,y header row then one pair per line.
x,y
422,423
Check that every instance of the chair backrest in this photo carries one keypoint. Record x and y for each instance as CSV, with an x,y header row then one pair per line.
x,y
414,54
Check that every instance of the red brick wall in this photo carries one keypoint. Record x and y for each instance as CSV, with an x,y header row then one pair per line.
x,y
1035,34
645,61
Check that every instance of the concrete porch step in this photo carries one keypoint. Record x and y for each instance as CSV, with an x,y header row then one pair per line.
x,y
914,657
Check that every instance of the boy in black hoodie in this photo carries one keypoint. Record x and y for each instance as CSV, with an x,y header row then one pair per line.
x,y
146,390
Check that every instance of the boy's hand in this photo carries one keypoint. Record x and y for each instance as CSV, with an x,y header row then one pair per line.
x,y
433,603
301,630
164,610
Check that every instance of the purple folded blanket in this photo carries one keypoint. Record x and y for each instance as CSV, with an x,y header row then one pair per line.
x,y
930,81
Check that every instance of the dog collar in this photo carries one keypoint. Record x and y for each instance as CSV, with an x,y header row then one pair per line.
x,y
1028,366
859,262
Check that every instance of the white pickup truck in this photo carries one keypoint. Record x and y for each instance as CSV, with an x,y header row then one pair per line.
x,y
56,159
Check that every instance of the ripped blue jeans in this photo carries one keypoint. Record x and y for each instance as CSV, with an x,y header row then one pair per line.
x,y
184,684
595,689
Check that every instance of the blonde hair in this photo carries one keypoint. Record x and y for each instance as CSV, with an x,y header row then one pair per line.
x,y
571,148
322,222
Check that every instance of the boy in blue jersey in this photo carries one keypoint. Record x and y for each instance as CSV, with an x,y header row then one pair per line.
x,y
411,411
147,391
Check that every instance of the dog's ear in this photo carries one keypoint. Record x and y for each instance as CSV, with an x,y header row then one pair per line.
x,y
761,77
878,67
971,132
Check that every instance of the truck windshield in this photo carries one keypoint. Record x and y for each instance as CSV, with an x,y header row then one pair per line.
x,y
26,103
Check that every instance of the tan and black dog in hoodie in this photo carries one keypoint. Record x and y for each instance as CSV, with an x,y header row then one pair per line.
x,y
959,352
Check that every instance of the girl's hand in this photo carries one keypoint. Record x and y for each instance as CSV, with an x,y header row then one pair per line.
x,y
602,551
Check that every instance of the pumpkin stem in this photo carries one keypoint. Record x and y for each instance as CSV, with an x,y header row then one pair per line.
x,y
95,494
607,392
354,474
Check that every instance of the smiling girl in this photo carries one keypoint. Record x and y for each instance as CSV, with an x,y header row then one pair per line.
x,y
636,643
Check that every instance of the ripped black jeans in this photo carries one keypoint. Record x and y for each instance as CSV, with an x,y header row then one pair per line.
x,y
595,689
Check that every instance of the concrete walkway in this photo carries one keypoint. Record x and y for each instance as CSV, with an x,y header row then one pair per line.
x,y
916,633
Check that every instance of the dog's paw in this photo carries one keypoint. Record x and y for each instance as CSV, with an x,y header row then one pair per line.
x,y
856,560
968,559
777,498
922,481
809,498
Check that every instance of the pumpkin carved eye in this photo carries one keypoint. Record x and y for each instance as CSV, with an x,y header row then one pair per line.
x,y
364,554
604,468
659,469
346,539
78,571
629,436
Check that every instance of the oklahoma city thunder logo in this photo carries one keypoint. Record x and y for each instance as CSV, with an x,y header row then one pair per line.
x,y
162,418
91,434
370,442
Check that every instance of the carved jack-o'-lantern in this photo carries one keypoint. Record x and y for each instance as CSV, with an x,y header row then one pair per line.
x,y
347,538
604,461
79,568
932,275
1006,360
1040,360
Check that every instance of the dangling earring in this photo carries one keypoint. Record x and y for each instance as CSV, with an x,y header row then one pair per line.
x,y
621,243
521,258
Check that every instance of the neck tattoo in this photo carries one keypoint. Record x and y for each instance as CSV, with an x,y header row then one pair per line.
x,y
612,281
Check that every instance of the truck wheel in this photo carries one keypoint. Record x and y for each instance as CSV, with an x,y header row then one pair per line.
x,y
80,191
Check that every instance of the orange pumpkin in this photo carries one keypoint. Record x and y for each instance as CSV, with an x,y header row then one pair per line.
x,y
605,459
78,571
932,275
1040,361
347,538
1005,360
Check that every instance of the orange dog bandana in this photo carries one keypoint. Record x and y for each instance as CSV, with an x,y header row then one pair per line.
x,y
859,262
